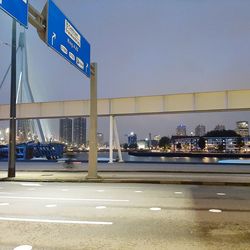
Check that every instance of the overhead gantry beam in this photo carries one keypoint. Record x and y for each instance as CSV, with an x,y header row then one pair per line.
x,y
230,100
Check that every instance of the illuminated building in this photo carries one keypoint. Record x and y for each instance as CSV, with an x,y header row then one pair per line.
x,y
181,130
132,139
242,128
65,131
79,131
200,130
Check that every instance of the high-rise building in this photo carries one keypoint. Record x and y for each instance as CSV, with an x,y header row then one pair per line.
x,y
79,131
65,133
242,128
132,139
181,130
73,131
219,127
100,142
200,130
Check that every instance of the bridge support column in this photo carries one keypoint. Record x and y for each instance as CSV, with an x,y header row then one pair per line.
x,y
113,136
111,130
92,167
117,141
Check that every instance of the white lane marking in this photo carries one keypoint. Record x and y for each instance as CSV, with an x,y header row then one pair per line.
x,y
64,189
4,204
59,199
31,189
178,192
57,221
31,184
23,247
100,207
51,205
100,190
221,194
138,191
215,210
155,208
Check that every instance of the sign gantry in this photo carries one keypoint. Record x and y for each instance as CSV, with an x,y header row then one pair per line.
x,y
58,32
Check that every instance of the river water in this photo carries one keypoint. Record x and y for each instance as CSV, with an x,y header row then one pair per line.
x,y
131,158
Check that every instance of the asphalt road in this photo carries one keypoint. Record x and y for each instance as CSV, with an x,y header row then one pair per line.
x,y
69,216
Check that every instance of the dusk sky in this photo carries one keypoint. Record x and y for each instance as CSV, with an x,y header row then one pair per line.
x,y
144,47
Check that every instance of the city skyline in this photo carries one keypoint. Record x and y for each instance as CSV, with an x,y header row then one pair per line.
x,y
197,46
190,131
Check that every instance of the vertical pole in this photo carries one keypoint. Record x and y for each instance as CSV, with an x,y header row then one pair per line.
x,y
12,134
92,168
111,130
117,141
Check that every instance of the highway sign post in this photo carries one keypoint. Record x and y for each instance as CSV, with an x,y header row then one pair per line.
x,y
18,9
65,39
92,166
61,35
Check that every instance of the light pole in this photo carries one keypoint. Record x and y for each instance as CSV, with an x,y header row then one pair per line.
x,y
12,135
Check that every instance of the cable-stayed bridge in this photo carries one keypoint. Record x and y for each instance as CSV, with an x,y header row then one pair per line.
x,y
24,91
29,112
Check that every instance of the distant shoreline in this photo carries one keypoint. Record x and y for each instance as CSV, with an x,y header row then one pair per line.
x,y
189,154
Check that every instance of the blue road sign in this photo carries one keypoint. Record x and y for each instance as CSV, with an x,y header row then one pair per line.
x,y
66,40
17,9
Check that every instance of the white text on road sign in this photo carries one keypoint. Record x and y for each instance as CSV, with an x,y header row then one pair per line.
x,y
53,38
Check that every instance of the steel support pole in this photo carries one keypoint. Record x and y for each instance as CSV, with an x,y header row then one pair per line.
x,y
117,141
12,131
92,167
111,138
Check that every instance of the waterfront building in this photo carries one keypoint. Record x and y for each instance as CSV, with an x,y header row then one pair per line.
x,y
142,144
200,130
188,143
149,140
79,131
132,139
2,136
157,138
242,128
181,130
226,144
219,127
213,144
65,130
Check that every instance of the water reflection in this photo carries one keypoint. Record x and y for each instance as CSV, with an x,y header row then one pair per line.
x,y
132,158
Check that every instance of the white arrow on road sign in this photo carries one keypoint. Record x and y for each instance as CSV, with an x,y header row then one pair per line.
x,y
53,37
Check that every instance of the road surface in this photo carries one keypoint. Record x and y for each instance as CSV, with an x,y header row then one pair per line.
x,y
69,216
